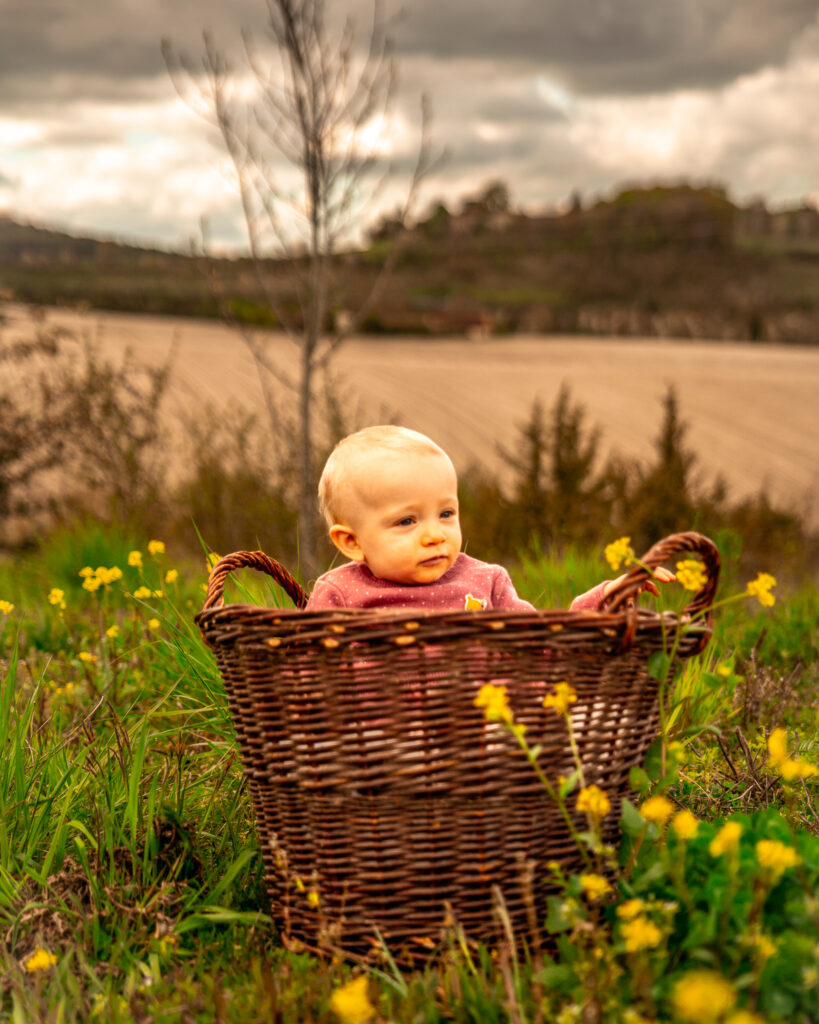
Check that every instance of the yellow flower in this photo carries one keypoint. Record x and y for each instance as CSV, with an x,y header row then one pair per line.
x,y
691,574
6,607
560,700
685,824
112,631
56,596
86,571
789,768
776,857
156,547
726,840
313,898
351,1003
592,800
630,909
212,559
657,809
619,552
142,593
135,559
777,747
493,700
765,947
86,656
744,1017
701,996
594,886
153,623
761,588
640,933
157,593
91,583
796,768
104,576
724,671
172,575
39,960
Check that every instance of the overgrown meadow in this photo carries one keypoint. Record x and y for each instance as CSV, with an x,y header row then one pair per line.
x,y
130,876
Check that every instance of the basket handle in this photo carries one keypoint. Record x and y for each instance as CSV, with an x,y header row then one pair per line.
x,y
677,544
251,560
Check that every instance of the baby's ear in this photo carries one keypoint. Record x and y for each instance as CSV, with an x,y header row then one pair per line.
x,y
346,542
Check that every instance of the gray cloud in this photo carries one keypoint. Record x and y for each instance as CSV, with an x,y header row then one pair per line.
x,y
614,45
593,45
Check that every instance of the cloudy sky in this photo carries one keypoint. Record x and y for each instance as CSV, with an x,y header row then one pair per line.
x,y
550,95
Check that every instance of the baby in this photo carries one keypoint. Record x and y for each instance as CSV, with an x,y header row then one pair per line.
x,y
390,498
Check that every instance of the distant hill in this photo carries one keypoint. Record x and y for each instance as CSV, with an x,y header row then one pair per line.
x,y
662,261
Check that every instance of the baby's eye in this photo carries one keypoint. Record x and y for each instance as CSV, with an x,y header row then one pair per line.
x,y
406,521
448,513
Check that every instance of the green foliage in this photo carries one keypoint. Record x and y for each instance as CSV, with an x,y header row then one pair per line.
x,y
127,847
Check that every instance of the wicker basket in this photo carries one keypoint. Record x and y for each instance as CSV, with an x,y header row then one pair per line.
x,y
382,794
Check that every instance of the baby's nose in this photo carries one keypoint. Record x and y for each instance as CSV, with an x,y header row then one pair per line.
x,y
433,532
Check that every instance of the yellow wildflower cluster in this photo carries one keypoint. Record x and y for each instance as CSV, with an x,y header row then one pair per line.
x,y
765,947
630,909
57,597
594,886
153,623
135,559
351,1003
39,960
6,607
142,593
65,691
156,547
789,768
112,632
593,800
87,657
212,559
691,574
761,588
93,579
619,552
640,933
744,1017
776,857
494,702
172,575
560,700
685,824
702,995
726,840
657,809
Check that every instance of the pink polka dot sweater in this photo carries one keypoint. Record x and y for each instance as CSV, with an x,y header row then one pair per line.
x,y
468,584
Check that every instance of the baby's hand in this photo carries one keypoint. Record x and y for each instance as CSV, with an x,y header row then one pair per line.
x,y
660,574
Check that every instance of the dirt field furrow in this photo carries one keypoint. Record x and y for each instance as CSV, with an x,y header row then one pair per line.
x,y
752,410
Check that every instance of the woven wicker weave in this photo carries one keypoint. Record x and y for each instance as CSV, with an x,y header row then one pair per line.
x,y
378,784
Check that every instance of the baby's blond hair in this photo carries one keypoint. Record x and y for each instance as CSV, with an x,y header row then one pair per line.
x,y
350,449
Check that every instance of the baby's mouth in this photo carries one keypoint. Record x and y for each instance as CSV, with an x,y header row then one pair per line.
x,y
434,560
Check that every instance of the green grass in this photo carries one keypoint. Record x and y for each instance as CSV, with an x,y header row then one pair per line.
x,y
128,850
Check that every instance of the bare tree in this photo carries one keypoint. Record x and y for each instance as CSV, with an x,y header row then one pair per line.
x,y
306,106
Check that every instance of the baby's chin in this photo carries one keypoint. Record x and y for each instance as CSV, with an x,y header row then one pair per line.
x,y
419,575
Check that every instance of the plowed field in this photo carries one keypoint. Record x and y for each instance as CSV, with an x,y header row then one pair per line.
x,y
752,410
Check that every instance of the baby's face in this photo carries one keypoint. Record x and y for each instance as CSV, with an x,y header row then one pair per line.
x,y
405,517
